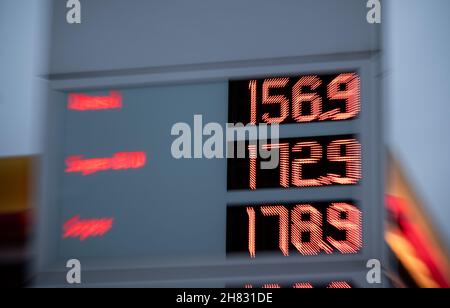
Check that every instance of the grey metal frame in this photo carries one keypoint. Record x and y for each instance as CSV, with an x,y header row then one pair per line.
x,y
50,272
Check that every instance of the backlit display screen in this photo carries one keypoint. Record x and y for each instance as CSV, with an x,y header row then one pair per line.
x,y
299,285
303,162
303,99
297,229
316,161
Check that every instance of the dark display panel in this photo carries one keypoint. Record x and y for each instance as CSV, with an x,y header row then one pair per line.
x,y
302,99
295,229
303,162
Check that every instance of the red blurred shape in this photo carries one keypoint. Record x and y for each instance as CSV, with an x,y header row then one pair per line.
x,y
84,229
84,102
412,232
120,161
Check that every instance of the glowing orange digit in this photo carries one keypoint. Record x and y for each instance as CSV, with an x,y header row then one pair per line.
x,y
253,153
351,95
298,98
284,161
313,226
303,286
316,155
253,102
283,215
271,286
339,285
351,224
275,99
251,232
352,158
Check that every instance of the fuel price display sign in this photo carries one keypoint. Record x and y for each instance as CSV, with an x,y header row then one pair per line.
x,y
302,228
116,194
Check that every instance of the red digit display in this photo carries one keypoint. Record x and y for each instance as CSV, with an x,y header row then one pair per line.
x,y
253,156
352,160
312,226
300,99
283,163
301,285
280,100
351,224
271,286
303,229
253,102
297,164
283,216
251,231
350,93
339,285
303,162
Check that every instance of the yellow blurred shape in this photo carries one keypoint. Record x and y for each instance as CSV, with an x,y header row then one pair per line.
x,y
399,185
15,184
406,254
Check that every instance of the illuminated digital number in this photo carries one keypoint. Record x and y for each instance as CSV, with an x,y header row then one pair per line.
x,y
283,164
251,232
271,286
298,98
306,220
283,214
312,226
351,95
284,161
352,158
275,99
345,87
345,153
253,102
316,155
339,285
253,155
351,224
303,285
